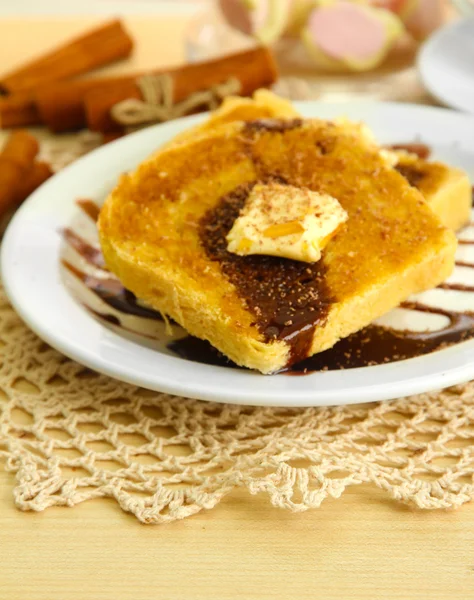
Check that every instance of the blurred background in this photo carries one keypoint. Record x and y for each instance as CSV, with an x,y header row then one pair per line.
x,y
327,49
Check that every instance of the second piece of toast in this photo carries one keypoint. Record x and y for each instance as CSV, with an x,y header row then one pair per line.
x,y
446,189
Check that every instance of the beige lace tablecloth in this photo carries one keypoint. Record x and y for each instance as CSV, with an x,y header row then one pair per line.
x,y
71,435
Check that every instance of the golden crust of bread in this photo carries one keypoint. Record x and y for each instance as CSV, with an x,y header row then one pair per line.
x,y
446,189
151,230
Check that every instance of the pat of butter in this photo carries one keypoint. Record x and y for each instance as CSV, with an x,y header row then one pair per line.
x,y
286,221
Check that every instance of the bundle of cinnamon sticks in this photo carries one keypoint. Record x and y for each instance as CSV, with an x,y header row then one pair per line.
x,y
46,92
20,171
96,48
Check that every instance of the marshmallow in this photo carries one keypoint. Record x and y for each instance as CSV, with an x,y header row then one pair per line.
x,y
345,36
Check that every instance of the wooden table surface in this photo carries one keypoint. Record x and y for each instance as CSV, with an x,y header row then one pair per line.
x,y
362,546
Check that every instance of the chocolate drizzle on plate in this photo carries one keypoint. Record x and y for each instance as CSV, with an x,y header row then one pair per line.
x,y
112,292
107,317
375,345
372,345
92,254
421,150
108,289
463,263
116,322
90,208
197,350
460,287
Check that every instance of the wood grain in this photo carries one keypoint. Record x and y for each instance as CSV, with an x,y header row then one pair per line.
x,y
362,546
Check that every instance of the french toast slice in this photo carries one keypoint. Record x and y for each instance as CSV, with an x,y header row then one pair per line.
x,y
163,233
446,189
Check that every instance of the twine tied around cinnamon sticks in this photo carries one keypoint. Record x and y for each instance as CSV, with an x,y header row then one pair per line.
x,y
158,105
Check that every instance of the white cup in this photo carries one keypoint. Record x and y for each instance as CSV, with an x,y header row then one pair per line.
x,y
464,7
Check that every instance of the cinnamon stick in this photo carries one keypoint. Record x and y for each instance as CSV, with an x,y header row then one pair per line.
x,y
111,137
61,106
96,48
254,69
38,174
18,110
16,160
20,148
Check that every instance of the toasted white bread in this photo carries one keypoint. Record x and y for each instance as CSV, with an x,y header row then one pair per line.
x,y
163,232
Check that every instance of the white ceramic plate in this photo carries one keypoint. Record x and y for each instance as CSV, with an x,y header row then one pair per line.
x,y
35,283
446,65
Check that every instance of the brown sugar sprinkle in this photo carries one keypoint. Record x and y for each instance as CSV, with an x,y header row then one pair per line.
x,y
287,297
325,146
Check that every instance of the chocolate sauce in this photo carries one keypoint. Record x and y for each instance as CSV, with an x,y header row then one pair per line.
x,y
421,150
373,345
90,208
196,350
412,174
114,320
463,263
92,254
460,287
112,292
287,298
273,125
107,317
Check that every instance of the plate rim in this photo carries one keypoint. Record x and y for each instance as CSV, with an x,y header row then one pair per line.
x,y
423,57
292,394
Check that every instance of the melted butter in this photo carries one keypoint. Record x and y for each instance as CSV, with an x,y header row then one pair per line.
x,y
285,221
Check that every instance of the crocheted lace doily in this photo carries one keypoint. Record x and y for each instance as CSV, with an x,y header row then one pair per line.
x,y
71,435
